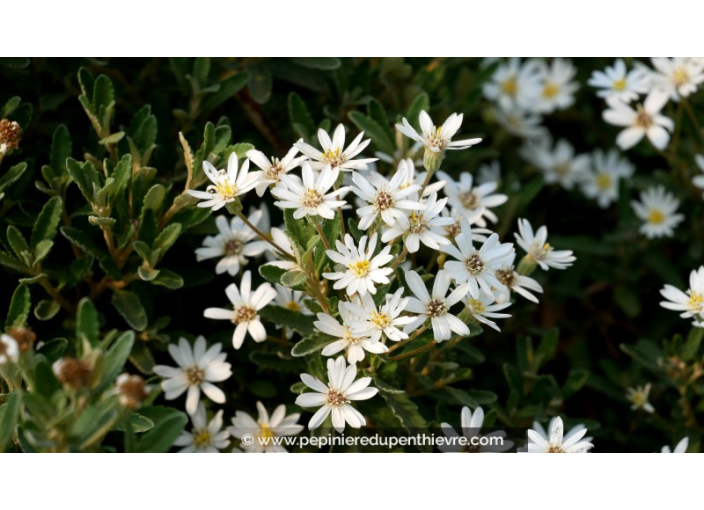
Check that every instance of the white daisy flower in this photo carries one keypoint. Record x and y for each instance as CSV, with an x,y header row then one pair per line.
x,y
538,249
467,198
410,178
573,442
691,302
437,139
387,199
602,182
680,448
486,307
232,244
475,269
435,306
9,350
560,164
352,335
519,122
363,269
291,300
645,120
619,83
309,196
226,185
638,397
657,208
265,429
518,283
425,227
203,437
471,428
334,153
386,320
558,86
197,370
246,305
698,180
335,397
273,169
515,84
678,76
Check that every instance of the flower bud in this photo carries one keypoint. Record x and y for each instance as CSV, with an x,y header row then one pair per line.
x,y
131,390
432,160
10,136
24,337
73,372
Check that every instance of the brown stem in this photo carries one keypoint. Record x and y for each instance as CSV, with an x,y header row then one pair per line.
x,y
414,352
265,238
322,236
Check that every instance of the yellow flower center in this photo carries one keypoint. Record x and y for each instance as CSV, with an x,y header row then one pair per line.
x,y
620,85
550,90
266,432
476,306
417,224
195,375
656,216
603,181
201,438
696,301
360,268
680,76
380,320
244,314
555,449
292,305
643,119
336,398
510,86
333,157
311,198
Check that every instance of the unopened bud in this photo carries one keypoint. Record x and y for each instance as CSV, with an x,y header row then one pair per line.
x,y
73,372
24,337
527,265
131,390
10,136
432,160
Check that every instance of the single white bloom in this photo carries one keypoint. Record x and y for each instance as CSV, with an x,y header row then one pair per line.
x,y
309,196
698,180
197,370
385,198
334,153
424,227
471,427
291,300
245,307
619,83
475,269
558,86
204,437
638,397
515,84
226,185
467,198
272,169
602,181
386,320
335,397
9,350
362,269
352,335
560,164
573,442
518,283
689,303
435,306
486,307
232,244
265,429
680,448
519,122
437,139
537,247
658,211
645,120
678,76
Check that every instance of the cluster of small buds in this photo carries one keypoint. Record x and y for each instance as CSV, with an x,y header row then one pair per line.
x,y
72,372
10,136
24,337
131,390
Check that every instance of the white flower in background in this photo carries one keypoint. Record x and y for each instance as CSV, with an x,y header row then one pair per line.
x,y
335,397
232,244
557,87
363,270
515,282
410,178
520,122
226,185
487,307
645,120
471,427
678,76
291,300
467,198
489,172
386,199
9,350
515,84
560,164
638,397
246,305
698,180
204,437
425,227
386,320
334,153
309,196
475,269
437,139
573,442
602,181
619,83
680,448
265,429
352,335
657,208
537,247
281,239
272,169
197,370
435,306
691,302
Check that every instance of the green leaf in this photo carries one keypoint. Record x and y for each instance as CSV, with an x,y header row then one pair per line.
x,y
42,250
12,175
61,149
311,344
53,349
374,130
168,279
113,138
296,321
271,273
87,323
19,306
86,177
130,307
294,278
46,309
19,244
276,361
168,425
9,415
154,199
48,221
138,423
116,357
228,88
575,380
261,83
296,230
300,116
547,347
80,239
147,274
103,93
691,347
141,357
323,63
401,406
121,176
11,262
166,238
419,104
